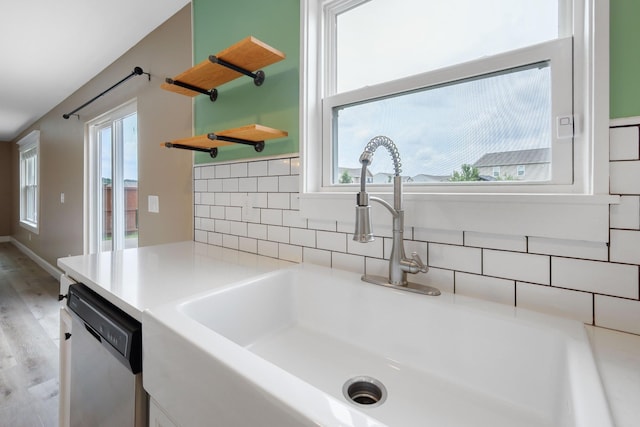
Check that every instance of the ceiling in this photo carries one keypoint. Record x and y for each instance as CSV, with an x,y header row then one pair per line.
x,y
49,49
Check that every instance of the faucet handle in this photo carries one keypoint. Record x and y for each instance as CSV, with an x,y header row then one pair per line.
x,y
421,266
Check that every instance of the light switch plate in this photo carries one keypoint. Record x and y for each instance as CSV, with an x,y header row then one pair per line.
x,y
154,204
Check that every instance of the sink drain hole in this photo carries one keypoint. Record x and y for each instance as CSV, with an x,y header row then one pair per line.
x,y
365,391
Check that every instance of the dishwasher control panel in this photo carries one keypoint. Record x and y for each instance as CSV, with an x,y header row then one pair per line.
x,y
120,333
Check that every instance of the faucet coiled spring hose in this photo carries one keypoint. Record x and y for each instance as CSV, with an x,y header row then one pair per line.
x,y
367,156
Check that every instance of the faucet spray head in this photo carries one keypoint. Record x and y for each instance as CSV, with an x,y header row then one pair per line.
x,y
363,232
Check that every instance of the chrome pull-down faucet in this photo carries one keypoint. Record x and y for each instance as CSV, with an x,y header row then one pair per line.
x,y
399,264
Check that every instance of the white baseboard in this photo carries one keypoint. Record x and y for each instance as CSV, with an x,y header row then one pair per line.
x,y
4,239
55,272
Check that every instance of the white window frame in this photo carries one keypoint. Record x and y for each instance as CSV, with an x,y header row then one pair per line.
x,y
520,170
93,185
586,196
30,145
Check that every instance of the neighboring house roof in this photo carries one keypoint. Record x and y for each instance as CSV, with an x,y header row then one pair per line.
x,y
519,157
421,177
355,172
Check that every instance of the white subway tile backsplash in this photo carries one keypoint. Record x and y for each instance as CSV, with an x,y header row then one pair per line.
x,y
555,301
202,211
223,171
238,228
200,236
626,214
237,199
217,212
233,213
268,184
197,173
278,200
229,241
258,168
197,198
322,225
517,266
624,177
238,170
214,239
200,185
594,276
260,200
290,252
331,241
271,216
487,288
624,143
295,201
370,249
625,246
280,167
289,184
437,236
436,277
207,172
569,248
206,199
248,185
230,185
267,248
223,199
214,185
617,313
303,237
257,231
207,224
316,256
455,258
495,241
248,245
278,234
295,166
376,267
347,262
222,226
293,219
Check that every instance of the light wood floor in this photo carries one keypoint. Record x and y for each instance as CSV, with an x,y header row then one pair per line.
x,y
29,341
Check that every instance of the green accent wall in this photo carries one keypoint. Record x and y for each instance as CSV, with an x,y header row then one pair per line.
x,y
218,24
624,58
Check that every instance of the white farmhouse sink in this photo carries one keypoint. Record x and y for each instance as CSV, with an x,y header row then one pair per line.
x,y
278,349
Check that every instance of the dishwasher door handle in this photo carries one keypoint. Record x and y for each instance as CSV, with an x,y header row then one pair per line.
x,y
93,332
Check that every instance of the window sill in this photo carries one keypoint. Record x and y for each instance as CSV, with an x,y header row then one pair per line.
x,y
559,216
33,227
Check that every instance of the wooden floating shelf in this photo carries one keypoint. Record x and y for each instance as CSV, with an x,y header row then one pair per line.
x,y
247,56
254,135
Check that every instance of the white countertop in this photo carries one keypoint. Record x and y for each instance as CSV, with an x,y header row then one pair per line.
x,y
144,278
137,279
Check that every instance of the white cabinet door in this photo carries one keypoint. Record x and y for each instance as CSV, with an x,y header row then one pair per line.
x,y
157,417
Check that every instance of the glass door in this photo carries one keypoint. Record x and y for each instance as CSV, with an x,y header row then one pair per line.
x,y
113,201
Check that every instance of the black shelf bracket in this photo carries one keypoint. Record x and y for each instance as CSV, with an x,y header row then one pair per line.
x,y
258,77
136,72
213,152
257,145
212,94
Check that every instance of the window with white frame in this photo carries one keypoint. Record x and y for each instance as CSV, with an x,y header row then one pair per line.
x,y
573,63
450,83
29,148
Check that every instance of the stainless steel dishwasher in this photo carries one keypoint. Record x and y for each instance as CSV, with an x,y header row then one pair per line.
x,y
106,363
